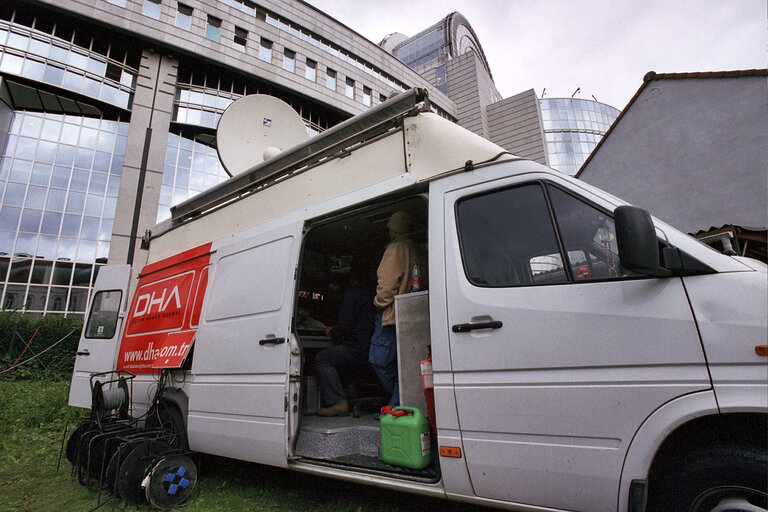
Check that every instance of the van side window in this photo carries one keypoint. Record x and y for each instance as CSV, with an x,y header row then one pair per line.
x,y
511,237
102,322
589,236
507,238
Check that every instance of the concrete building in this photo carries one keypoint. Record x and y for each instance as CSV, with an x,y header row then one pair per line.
x,y
109,108
691,148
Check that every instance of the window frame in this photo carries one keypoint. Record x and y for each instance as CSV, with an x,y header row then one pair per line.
x,y
562,250
242,34
289,56
310,64
152,12
331,77
182,15
266,50
214,24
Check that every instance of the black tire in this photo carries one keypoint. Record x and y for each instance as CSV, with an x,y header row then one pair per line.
x,y
171,420
706,477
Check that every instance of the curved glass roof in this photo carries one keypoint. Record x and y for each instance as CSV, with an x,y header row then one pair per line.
x,y
452,36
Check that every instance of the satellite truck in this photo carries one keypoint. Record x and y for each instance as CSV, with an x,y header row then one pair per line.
x,y
585,355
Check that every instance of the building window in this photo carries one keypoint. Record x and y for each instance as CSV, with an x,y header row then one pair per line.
x,y
311,72
241,37
330,79
119,3
265,50
151,9
289,60
349,88
367,92
442,80
382,98
213,28
184,17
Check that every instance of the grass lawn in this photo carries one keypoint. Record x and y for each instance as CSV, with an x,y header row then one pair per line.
x,y
32,419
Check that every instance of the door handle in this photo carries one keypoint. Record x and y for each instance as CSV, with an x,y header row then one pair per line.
x,y
83,353
272,341
495,324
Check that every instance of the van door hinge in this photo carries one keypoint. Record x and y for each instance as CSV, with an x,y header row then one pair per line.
x,y
295,377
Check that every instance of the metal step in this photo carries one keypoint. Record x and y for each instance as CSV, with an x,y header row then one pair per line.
x,y
338,436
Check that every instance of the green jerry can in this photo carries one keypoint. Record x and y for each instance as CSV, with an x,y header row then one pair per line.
x,y
404,437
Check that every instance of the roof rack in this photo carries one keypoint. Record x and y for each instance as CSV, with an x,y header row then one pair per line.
x,y
361,127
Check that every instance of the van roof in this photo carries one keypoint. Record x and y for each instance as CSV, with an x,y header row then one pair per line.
x,y
428,147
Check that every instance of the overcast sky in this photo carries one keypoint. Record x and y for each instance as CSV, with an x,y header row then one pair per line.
x,y
605,47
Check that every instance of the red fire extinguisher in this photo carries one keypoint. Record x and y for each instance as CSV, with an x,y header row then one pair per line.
x,y
428,383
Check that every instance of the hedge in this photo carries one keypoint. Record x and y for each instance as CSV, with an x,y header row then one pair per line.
x,y
51,353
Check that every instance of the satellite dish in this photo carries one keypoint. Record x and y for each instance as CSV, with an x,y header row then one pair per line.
x,y
256,128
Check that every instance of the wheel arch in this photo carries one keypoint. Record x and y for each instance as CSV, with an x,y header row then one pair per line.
x,y
680,425
173,397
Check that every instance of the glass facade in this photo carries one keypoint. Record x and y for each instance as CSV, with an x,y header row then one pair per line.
x,y
191,166
424,47
108,75
59,180
572,129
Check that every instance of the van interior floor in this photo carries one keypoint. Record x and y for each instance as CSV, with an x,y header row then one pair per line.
x,y
350,441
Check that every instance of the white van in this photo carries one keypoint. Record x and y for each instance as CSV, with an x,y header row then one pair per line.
x,y
586,356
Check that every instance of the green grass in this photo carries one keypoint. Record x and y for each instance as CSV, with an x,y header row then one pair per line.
x,y
33,415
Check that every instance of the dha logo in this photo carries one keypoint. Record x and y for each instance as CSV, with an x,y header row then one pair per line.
x,y
146,302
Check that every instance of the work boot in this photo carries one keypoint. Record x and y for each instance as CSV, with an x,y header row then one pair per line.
x,y
335,409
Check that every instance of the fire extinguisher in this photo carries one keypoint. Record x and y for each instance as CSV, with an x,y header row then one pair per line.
x,y
427,382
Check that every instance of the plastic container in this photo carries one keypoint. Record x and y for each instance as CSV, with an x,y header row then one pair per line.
x,y
404,437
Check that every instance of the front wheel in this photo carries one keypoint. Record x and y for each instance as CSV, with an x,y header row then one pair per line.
x,y
712,479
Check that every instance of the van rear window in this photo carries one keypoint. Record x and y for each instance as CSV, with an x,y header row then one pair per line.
x,y
102,321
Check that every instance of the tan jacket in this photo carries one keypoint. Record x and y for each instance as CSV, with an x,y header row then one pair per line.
x,y
394,275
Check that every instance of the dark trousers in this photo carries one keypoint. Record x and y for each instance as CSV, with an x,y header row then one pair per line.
x,y
327,365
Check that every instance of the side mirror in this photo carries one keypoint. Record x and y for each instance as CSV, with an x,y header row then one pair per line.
x,y
637,242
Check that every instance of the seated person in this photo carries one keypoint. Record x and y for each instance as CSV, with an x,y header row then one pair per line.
x,y
354,327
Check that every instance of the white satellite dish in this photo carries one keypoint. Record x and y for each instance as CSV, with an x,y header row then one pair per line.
x,y
256,128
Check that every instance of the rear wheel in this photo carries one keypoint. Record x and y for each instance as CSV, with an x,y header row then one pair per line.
x,y
712,479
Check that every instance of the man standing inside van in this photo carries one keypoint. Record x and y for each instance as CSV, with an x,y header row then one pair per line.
x,y
394,278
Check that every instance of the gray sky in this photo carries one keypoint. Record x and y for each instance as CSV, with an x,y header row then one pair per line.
x,y
605,47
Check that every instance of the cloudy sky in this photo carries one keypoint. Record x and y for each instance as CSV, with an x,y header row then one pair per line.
x,y
605,47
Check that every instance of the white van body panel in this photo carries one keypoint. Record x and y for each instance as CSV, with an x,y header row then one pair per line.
x,y
365,166
731,327
654,430
238,395
427,159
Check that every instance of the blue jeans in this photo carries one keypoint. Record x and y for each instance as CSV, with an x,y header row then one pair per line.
x,y
383,358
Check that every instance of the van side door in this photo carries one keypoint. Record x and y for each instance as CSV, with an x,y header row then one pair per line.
x,y
96,352
238,395
558,354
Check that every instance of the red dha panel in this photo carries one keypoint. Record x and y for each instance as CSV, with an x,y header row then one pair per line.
x,y
162,320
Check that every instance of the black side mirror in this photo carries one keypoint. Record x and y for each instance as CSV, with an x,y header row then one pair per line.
x,y
637,242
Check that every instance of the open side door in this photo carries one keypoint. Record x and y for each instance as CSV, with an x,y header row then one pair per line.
x,y
101,334
238,400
